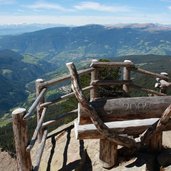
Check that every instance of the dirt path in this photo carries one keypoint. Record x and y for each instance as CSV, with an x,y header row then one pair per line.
x,y
7,163
64,152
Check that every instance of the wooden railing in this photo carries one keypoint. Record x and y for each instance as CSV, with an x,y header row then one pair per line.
x,y
21,115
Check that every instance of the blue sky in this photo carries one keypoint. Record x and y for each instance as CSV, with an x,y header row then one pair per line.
x,y
80,12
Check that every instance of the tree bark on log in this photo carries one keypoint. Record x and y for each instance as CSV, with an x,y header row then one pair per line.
x,y
94,76
89,131
39,109
108,153
101,127
126,76
157,128
126,108
21,140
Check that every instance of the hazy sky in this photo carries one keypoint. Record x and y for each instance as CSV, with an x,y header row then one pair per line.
x,y
78,12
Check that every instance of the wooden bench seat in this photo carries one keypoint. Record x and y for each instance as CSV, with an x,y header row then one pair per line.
x,y
130,127
119,121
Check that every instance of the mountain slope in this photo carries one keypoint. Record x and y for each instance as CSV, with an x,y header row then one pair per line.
x,y
14,74
62,44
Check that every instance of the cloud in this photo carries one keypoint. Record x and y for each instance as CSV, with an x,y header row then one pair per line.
x,y
165,0
169,7
4,2
100,7
47,6
82,20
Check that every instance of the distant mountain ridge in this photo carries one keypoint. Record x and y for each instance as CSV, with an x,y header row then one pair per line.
x,y
27,56
63,44
12,29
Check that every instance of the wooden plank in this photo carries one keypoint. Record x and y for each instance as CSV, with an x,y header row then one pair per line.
x,y
112,64
126,108
130,127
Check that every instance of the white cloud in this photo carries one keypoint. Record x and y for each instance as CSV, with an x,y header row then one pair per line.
x,y
165,0
46,6
101,7
7,2
82,20
169,7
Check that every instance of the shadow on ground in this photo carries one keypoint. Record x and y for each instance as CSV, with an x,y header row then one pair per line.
x,y
84,164
152,160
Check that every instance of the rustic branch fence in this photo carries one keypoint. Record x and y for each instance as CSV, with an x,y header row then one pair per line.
x,y
20,116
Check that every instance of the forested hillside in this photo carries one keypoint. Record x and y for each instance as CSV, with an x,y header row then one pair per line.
x,y
150,62
62,44
15,72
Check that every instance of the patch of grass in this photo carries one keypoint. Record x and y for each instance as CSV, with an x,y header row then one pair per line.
x,y
5,119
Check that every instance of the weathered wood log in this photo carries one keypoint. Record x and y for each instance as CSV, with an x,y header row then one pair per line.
x,y
94,76
67,77
126,108
59,117
108,153
21,140
110,82
101,127
60,129
112,64
155,143
46,104
36,102
143,71
39,89
147,90
157,127
36,131
40,151
164,85
126,76
129,127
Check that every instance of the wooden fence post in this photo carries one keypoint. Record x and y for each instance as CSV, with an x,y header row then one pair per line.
x,y
94,76
39,109
108,153
164,89
21,140
155,144
126,76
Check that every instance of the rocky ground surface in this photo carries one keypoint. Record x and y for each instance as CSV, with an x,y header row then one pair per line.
x,y
64,153
7,163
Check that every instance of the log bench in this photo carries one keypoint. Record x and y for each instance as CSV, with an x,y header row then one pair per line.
x,y
120,121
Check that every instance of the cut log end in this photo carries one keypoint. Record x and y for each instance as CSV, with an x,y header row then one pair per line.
x,y
40,80
69,64
128,61
17,111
